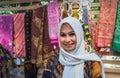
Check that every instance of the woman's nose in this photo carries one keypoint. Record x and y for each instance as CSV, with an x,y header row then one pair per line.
x,y
67,38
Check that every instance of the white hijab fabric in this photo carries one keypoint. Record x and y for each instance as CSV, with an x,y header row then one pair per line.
x,y
73,61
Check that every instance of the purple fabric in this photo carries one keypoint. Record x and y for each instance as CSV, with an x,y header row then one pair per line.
x,y
6,31
1,60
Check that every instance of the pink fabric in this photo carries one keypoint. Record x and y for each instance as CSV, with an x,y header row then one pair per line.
x,y
53,21
106,22
19,35
6,32
93,31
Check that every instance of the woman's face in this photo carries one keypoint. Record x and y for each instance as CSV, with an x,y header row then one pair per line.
x,y
68,38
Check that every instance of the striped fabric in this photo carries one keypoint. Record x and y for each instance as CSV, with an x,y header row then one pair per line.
x,y
19,35
106,22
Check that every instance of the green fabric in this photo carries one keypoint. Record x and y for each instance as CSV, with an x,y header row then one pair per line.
x,y
116,41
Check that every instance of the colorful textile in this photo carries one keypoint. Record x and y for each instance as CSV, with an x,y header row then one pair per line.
x,y
58,69
30,68
89,69
116,41
37,33
53,21
19,35
41,47
106,22
6,32
86,26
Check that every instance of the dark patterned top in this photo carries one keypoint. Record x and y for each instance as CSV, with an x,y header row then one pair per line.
x,y
92,69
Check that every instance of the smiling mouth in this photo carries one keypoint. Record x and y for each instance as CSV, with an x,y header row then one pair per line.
x,y
69,45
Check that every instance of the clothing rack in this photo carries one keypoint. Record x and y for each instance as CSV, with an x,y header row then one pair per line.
x,y
35,4
19,1
21,8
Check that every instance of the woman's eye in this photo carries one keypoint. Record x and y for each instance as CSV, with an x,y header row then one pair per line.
x,y
72,34
62,35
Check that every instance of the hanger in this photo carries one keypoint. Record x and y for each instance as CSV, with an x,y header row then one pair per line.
x,y
62,8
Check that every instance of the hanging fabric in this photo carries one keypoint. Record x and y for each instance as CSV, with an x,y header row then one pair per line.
x,y
53,22
86,28
6,32
41,47
93,31
19,35
30,69
116,40
37,35
106,22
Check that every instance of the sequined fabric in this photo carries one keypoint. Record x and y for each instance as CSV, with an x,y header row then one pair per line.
x,y
6,32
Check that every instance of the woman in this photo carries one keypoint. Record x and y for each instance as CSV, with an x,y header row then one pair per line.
x,y
75,60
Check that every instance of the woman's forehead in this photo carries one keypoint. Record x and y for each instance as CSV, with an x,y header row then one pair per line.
x,y
66,26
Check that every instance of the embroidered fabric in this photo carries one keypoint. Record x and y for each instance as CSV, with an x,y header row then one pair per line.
x,y
106,22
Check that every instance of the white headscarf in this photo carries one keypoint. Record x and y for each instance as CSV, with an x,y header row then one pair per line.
x,y
73,61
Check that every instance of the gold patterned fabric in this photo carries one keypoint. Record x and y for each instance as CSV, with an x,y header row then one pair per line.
x,y
40,48
92,69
